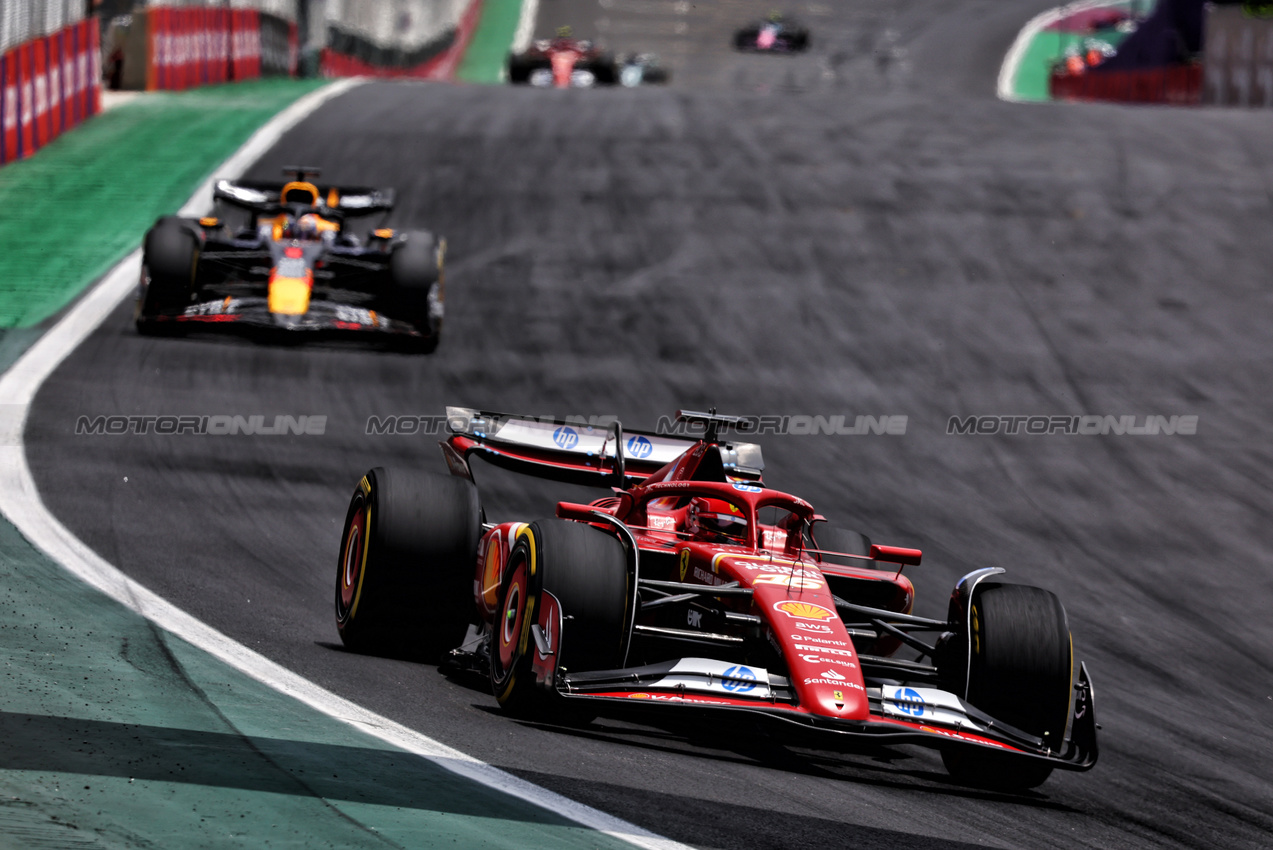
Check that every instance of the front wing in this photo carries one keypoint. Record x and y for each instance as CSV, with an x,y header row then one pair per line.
x,y
253,313
893,719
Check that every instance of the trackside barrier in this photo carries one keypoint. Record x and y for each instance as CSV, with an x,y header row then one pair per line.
x,y
350,55
196,46
47,86
1180,85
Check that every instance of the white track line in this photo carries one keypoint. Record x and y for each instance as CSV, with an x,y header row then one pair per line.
x,y
1012,60
20,502
525,25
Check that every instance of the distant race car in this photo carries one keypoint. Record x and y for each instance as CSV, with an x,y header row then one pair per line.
x,y
694,591
642,69
775,34
563,62
286,257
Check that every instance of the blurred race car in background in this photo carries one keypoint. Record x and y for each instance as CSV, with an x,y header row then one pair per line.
x,y
775,34
694,591
642,69
287,257
563,62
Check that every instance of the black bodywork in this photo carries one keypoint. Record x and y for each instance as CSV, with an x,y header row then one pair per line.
x,y
285,257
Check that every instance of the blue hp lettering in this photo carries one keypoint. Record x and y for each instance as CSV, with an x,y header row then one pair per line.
x,y
566,437
639,447
909,701
739,679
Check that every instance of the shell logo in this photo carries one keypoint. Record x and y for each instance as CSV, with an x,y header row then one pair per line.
x,y
638,696
803,610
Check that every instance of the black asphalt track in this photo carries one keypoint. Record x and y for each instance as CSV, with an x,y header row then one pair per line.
x,y
887,240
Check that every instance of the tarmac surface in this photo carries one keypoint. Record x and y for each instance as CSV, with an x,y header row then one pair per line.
x,y
768,239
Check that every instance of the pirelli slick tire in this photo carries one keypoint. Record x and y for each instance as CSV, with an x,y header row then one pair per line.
x,y
170,255
605,70
1021,673
519,69
404,579
586,570
418,287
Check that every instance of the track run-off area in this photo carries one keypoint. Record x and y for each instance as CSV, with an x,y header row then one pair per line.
x,y
865,229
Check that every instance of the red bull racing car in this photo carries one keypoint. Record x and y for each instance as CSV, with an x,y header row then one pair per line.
x,y
292,257
694,590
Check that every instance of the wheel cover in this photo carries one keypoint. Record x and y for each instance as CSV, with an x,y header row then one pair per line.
x,y
512,617
352,561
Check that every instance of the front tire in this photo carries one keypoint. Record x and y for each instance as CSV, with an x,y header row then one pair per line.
x,y
586,570
404,576
170,255
1021,673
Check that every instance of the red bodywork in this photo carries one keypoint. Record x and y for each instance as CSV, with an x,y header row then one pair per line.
x,y
562,56
789,584
778,598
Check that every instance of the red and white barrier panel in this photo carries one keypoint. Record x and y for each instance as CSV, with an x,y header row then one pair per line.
x,y
441,66
1180,85
196,46
47,86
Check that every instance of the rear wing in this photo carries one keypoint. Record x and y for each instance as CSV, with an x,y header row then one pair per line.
x,y
598,452
264,197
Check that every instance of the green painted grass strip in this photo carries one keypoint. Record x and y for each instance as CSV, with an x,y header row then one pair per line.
x,y
78,206
484,60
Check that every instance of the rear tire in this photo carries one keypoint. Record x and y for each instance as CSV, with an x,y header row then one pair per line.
x,y
170,255
418,290
586,570
605,70
1021,673
405,572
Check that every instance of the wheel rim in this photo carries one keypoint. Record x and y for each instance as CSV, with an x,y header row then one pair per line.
x,y
351,562
512,615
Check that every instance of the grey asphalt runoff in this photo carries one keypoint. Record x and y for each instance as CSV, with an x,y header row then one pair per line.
x,y
865,230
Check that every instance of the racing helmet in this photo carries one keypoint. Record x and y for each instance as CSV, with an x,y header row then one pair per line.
x,y
307,227
716,520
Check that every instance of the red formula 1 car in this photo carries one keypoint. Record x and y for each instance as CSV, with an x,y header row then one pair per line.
x,y
291,258
563,62
695,590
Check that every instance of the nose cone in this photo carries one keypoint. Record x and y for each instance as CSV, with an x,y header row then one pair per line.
x,y
289,296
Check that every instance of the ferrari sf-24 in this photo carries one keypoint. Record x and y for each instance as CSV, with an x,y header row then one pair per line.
x,y
694,590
